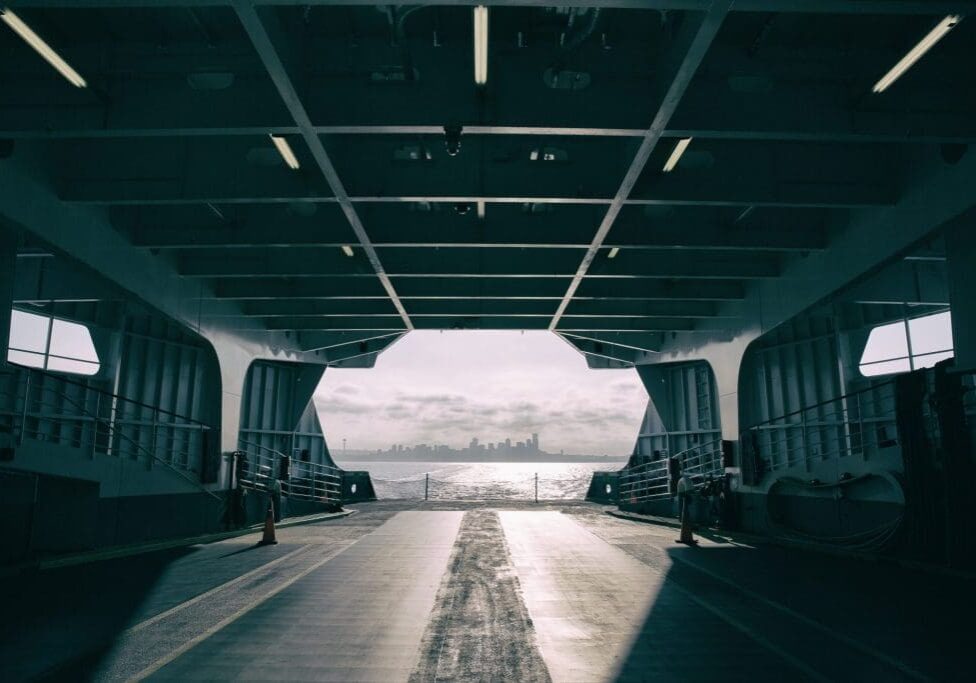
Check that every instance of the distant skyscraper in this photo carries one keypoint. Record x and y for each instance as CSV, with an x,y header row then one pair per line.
x,y
535,441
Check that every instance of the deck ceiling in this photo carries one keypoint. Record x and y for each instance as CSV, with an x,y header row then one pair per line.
x,y
171,137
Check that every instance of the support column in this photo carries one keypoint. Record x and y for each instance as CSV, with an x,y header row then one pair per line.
x,y
234,362
960,238
725,359
726,362
8,267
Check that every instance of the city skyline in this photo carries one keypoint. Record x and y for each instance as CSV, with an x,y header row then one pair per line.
x,y
443,388
506,447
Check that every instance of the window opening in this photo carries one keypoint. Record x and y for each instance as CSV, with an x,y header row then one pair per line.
x,y
908,344
40,341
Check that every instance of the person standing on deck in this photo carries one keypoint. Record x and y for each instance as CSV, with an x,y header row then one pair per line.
x,y
685,488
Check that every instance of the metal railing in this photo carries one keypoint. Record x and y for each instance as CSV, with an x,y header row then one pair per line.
x,y
303,481
533,487
44,406
649,481
859,423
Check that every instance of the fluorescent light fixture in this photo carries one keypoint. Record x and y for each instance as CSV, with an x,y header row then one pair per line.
x,y
347,250
42,48
284,149
480,45
613,252
679,149
481,210
916,53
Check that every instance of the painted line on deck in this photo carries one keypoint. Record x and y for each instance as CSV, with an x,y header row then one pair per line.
x,y
847,640
812,623
182,649
203,596
750,633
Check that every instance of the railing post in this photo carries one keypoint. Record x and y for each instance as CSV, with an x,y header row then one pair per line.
x,y
23,414
152,448
98,403
860,426
537,487
805,445
426,484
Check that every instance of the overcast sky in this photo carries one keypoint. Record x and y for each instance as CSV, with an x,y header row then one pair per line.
x,y
446,387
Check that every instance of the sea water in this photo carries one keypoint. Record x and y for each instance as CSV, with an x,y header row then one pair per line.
x,y
481,480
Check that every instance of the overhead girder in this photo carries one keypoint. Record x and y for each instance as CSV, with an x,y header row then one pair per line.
x,y
504,226
473,262
391,323
472,307
682,58
774,148
922,7
735,174
264,44
447,288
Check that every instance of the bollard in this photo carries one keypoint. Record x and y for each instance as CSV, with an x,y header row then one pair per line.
x,y
426,484
537,487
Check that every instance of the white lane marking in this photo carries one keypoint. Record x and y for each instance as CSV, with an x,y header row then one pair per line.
x,y
847,640
163,661
738,625
203,596
812,623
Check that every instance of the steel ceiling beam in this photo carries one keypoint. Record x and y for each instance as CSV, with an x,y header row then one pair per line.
x,y
637,234
748,192
260,38
920,7
434,288
690,48
823,124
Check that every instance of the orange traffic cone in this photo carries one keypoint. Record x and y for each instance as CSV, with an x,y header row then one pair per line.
x,y
269,527
687,537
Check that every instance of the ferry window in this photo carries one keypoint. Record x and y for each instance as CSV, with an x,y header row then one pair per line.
x,y
907,345
39,341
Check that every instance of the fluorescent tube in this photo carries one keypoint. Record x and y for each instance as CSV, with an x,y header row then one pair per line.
x,y
679,149
480,45
916,53
42,48
284,149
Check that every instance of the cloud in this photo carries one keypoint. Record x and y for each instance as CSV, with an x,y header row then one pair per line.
x,y
448,388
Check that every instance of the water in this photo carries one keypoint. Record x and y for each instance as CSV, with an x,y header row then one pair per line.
x,y
482,480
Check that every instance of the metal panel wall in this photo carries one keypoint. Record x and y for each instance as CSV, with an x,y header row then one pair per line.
x,y
277,415
155,398
682,411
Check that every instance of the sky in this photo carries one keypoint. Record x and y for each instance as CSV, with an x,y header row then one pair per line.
x,y
446,387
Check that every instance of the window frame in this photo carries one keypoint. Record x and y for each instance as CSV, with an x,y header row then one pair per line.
x,y
911,357
46,355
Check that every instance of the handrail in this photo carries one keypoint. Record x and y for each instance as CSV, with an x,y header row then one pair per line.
x,y
873,387
324,478
67,380
111,431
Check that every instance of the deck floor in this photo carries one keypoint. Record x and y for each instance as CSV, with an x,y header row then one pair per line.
x,y
424,592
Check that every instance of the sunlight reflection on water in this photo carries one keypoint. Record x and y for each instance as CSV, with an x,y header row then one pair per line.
x,y
482,480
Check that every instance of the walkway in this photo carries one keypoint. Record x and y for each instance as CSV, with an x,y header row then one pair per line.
x,y
481,592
